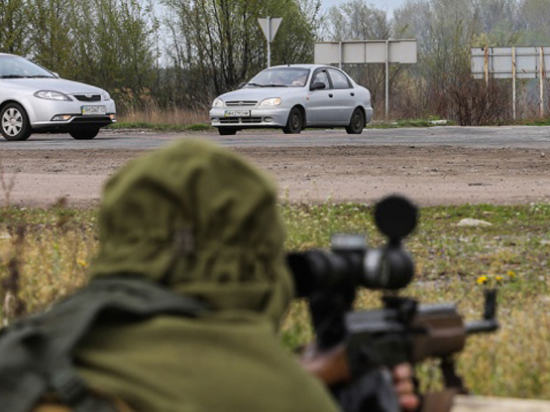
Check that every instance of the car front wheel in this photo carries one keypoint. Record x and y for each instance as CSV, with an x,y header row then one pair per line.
x,y
294,122
84,134
357,122
14,122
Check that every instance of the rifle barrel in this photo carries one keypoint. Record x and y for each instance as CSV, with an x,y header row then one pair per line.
x,y
481,326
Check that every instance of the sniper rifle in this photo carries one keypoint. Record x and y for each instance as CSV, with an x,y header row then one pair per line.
x,y
402,331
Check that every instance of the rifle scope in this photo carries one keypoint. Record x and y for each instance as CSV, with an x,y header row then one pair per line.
x,y
351,263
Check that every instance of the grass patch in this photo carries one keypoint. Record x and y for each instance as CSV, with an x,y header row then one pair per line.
x,y
161,127
175,119
208,127
46,253
153,117
533,122
452,263
394,124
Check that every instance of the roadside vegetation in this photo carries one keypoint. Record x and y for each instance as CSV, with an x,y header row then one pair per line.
x,y
46,253
179,55
197,121
164,119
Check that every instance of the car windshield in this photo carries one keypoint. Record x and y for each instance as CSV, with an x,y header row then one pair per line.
x,y
14,67
280,77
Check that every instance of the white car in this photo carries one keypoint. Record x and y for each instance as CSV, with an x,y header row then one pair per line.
x,y
35,100
294,97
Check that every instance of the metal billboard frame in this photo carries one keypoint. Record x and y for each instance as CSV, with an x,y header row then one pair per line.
x,y
402,51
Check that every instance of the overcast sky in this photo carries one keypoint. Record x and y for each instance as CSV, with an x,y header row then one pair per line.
x,y
386,5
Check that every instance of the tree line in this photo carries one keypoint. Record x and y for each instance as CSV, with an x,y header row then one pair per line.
x,y
441,83
182,53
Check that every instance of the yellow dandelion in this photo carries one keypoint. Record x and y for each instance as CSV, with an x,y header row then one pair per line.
x,y
482,280
82,262
499,278
511,273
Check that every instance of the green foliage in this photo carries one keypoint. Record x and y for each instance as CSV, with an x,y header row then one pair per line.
x,y
113,44
14,27
53,34
106,42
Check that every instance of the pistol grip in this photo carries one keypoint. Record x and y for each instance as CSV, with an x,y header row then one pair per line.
x,y
372,392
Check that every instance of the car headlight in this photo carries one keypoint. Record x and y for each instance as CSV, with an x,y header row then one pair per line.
x,y
105,95
272,101
52,95
218,103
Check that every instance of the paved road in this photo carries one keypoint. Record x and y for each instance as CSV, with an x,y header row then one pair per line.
x,y
441,165
473,137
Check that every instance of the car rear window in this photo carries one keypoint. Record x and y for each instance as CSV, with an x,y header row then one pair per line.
x,y
339,79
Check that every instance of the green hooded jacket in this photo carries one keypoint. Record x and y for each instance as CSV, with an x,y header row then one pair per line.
x,y
202,221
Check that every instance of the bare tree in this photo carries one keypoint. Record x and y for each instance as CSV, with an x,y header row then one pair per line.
x,y
220,44
356,20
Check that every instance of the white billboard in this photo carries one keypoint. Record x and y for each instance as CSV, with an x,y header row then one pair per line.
x,y
366,51
498,62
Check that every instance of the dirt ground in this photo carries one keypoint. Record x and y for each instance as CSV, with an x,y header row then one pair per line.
x,y
431,175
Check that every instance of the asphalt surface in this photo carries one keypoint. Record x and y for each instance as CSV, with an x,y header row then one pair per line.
x,y
473,137
433,166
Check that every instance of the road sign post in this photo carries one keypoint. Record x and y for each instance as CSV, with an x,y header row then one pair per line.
x,y
269,26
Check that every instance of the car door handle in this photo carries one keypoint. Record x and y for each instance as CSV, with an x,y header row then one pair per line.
x,y
330,95
352,94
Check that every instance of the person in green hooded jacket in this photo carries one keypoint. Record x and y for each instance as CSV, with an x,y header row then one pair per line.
x,y
201,221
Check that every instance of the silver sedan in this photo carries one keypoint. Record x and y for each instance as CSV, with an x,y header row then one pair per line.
x,y
35,100
294,97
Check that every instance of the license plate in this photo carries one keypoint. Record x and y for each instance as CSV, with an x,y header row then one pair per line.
x,y
237,113
93,110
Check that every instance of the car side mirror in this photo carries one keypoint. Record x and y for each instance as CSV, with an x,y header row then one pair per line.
x,y
318,86
56,75
241,85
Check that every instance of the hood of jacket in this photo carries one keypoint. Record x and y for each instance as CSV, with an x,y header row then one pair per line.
x,y
201,220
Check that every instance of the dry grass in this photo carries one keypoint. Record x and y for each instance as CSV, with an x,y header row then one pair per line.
x,y
138,106
43,256
172,116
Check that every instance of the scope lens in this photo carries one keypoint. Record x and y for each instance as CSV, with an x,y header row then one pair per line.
x,y
395,216
390,268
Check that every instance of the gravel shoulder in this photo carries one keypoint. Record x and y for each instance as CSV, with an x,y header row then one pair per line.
x,y
431,175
